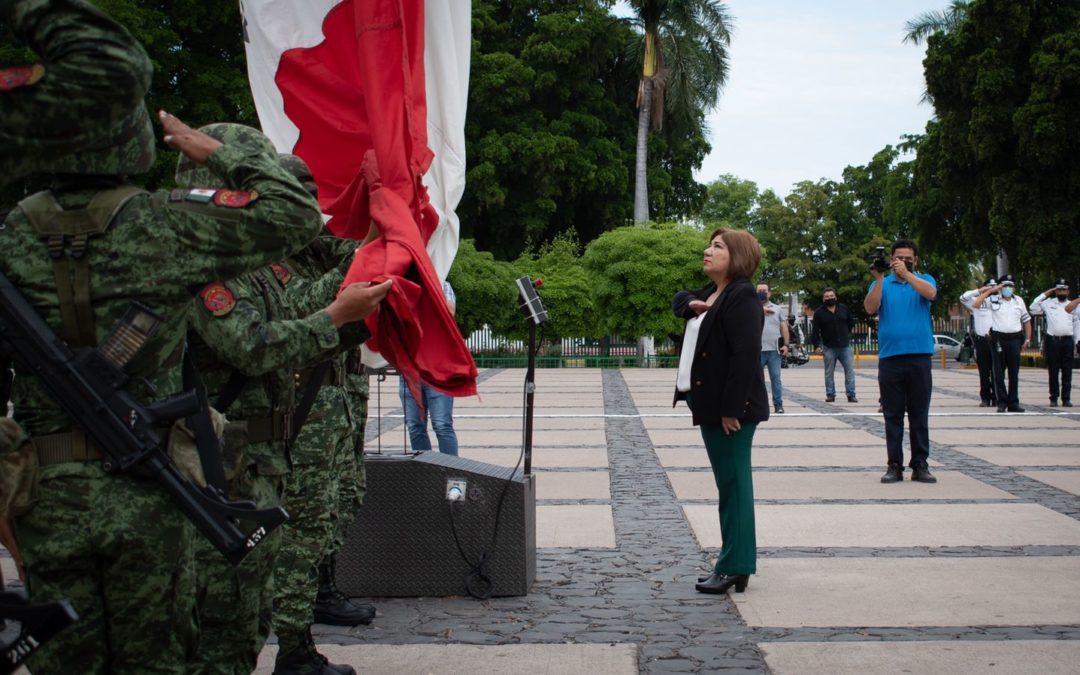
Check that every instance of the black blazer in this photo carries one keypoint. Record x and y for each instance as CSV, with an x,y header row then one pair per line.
x,y
726,378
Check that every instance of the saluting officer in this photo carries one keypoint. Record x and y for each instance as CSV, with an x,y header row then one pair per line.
x,y
1010,332
1059,338
983,354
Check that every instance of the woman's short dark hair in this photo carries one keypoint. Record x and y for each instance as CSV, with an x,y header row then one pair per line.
x,y
744,251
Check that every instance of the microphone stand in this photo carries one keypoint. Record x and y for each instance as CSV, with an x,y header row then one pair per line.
x,y
530,389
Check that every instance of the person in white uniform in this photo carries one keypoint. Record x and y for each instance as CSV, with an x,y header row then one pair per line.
x,y
1055,305
1010,332
983,354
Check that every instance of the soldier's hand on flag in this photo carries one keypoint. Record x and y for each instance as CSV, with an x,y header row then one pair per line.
x,y
196,145
357,302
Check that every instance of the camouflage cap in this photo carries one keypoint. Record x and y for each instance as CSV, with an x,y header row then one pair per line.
x,y
126,149
189,174
300,170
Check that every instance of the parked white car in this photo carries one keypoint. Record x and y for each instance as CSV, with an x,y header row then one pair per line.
x,y
944,343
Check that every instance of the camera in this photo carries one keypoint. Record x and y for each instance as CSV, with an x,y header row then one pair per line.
x,y
878,262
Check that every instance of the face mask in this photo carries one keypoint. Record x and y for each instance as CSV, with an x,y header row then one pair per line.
x,y
763,295
1006,292
1063,298
831,302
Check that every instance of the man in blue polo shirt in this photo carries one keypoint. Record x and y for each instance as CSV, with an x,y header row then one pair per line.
x,y
905,343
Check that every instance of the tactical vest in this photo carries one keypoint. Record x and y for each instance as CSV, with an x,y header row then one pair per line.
x,y
68,233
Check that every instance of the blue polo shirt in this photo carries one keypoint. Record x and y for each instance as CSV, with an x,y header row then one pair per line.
x,y
904,325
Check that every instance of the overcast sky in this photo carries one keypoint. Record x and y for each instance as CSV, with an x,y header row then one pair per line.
x,y
815,87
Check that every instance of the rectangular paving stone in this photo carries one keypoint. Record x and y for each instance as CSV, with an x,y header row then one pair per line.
x,y
785,421
546,438
839,485
573,485
766,436
956,657
778,457
894,525
903,592
462,659
545,458
1002,436
1069,481
574,526
1060,455
980,422
540,422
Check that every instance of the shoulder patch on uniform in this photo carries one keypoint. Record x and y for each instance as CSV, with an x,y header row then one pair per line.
x,y
235,199
217,298
281,273
20,76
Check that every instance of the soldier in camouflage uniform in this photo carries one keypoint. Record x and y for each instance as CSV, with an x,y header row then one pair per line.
x,y
116,546
313,493
248,344
91,69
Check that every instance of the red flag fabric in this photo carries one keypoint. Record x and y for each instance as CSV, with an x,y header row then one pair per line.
x,y
358,100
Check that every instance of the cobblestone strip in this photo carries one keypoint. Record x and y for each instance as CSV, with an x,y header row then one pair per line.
x,y
684,630
1002,477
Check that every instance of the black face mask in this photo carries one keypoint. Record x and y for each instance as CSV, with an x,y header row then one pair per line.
x,y
830,302
1063,297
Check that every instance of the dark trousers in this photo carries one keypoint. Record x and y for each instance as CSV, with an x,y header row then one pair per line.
x,y
984,359
729,455
905,383
1059,357
1007,358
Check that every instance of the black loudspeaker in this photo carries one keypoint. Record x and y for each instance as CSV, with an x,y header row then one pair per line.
x,y
402,543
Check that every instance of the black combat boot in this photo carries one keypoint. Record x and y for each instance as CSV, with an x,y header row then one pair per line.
x,y
297,656
334,608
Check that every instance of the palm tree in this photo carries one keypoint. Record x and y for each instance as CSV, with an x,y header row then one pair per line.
x,y
935,21
683,51
919,29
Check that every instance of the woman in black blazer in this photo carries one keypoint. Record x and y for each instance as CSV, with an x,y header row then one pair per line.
x,y
720,379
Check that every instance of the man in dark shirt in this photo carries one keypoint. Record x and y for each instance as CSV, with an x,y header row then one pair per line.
x,y
833,324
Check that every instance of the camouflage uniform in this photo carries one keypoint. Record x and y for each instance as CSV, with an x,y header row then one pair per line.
x,y
85,97
251,331
93,536
321,455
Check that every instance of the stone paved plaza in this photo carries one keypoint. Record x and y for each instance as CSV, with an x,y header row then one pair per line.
x,y
978,573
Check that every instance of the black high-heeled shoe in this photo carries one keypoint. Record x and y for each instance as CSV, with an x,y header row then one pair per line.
x,y
719,583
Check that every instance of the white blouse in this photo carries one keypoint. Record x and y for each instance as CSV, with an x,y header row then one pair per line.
x,y
686,356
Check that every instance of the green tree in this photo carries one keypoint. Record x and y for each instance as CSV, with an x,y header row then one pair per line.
x,y
729,201
566,290
1005,84
682,50
635,272
485,290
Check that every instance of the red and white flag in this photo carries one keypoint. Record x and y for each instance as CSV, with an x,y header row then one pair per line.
x,y
371,94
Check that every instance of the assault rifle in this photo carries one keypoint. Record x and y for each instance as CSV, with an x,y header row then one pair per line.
x,y
89,384
38,624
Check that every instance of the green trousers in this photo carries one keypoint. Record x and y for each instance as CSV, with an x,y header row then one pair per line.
x,y
729,455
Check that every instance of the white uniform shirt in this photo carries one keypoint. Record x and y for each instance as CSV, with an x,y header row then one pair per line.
x,y
1010,315
1058,321
1076,324
981,314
